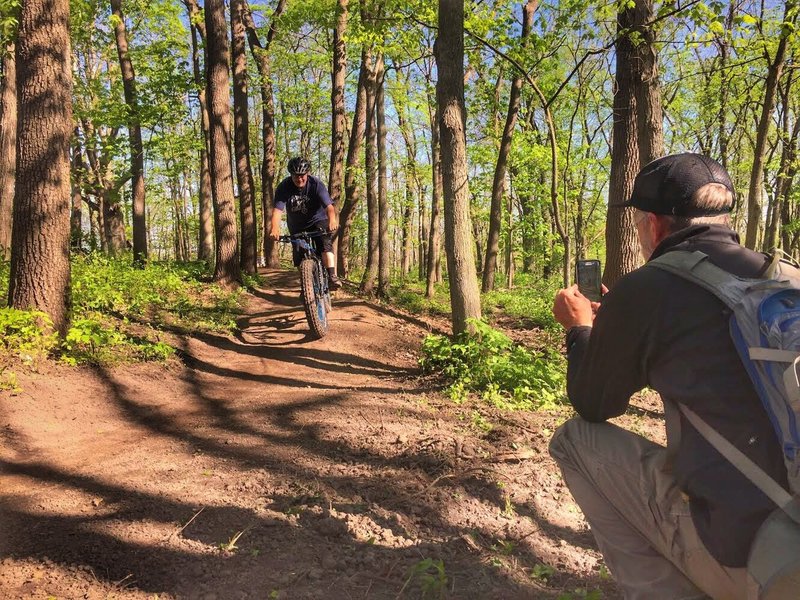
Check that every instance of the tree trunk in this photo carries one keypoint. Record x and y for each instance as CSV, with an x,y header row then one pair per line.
x,y
135,134
241,122
76,212
477,235
622,244
406,249
412,178
786,175
261,56
755,191
338,117
527,208
351,188
498,185
113,219
8,146
650,118
434,243
775,210
510,267
205,243
373,234
227,271
423,225
464,295
723,43
384,252
40,268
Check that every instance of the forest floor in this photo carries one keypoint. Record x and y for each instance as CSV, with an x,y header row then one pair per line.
x,y
270,465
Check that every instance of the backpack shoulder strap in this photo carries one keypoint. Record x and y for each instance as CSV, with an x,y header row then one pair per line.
x,y
747,467
697,268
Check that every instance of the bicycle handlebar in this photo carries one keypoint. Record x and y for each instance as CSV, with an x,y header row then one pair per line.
x,y
303,235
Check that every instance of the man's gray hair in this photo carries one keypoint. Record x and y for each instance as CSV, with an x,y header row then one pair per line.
x,y
712,197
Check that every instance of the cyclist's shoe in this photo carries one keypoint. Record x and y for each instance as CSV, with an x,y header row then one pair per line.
x,y
334,283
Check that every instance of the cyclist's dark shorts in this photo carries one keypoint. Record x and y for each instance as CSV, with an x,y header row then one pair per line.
x,y
323,243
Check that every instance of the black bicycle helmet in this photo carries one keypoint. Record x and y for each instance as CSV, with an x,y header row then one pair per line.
x,y
298,166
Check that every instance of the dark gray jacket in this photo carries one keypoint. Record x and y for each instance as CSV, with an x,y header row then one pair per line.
x,y
656,329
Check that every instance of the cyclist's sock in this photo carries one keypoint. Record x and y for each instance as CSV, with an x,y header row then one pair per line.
x,y
334,282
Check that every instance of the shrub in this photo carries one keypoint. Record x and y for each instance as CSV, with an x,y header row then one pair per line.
x,y
486,361
26,334
5,270
90,340
116,312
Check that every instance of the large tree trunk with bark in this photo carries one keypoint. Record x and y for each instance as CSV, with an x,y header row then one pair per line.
x,y
501,167
371,160
241,122
205,243
8,145
338,122
351,189
113,219
464,295
755,191
139,222
40,268
649,116
261,55
227,271
384,249
622,244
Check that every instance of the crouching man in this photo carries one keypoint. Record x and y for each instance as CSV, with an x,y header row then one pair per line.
x,y
676,522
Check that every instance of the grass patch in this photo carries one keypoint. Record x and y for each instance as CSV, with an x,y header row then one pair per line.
x,y
485,361
119,313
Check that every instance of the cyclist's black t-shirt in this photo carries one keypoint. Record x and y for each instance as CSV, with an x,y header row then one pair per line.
x,y
305,207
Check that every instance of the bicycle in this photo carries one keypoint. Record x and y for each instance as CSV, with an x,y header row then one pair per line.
x,y
313,281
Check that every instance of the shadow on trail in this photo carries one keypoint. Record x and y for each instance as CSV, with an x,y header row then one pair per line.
x,y
291,487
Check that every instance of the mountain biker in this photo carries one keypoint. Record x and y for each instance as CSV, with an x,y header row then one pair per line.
x,y
308,207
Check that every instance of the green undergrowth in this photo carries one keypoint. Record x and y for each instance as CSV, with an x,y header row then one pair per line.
x,y
487,362
119,314
530,301
162,294
410,295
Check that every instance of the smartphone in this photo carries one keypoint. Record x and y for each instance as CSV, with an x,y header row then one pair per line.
x,y
588,278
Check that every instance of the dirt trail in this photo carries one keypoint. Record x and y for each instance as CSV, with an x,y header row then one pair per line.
x,y
268,465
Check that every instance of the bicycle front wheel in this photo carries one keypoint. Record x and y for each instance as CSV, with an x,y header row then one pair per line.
x,y
314,297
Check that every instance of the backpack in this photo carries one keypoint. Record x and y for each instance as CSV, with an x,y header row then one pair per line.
x,y
765,329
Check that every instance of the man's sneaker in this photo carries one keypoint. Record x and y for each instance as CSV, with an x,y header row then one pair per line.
x,y
334,283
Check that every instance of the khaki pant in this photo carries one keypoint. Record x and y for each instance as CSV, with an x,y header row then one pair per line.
x,y
638,516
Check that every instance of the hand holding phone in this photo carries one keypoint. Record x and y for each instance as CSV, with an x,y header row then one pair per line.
x,y
589,279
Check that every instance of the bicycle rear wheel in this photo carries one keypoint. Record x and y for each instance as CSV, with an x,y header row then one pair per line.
x,y
313,297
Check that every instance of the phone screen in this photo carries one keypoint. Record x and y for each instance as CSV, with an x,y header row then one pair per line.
x,y
589,279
